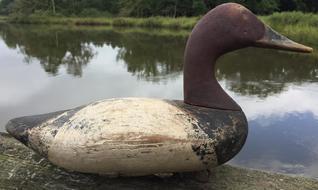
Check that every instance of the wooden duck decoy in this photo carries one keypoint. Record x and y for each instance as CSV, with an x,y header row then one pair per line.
x,y
141,136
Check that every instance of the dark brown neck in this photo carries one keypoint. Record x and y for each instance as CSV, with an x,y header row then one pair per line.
x,y
203,49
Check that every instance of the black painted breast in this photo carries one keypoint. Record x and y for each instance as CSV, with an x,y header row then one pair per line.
x,y
227,128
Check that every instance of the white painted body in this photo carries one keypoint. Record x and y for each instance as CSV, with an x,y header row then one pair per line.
x,y
133,136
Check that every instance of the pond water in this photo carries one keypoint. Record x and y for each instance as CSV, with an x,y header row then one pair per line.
x,y
44,69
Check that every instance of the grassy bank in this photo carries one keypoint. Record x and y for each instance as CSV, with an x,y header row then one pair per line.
x,y
297,25
151,22
3,19
292,18
276,19
300,26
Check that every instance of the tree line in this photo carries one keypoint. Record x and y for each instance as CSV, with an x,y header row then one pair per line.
x,y
144,8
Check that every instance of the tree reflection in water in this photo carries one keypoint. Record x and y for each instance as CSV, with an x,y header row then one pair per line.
x,y
263,72
151,56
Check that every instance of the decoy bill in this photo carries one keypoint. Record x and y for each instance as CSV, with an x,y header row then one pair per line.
x,y
143,136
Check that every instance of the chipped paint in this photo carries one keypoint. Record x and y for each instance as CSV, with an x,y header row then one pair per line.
x,y
133,136
228,129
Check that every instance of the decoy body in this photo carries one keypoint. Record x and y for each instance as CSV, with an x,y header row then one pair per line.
x,y
141,136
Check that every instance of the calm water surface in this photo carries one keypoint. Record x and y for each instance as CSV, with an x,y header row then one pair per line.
x,y
44,69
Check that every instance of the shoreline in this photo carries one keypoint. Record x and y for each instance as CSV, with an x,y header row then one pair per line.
x,y
305,32
277,19
150,22
296,25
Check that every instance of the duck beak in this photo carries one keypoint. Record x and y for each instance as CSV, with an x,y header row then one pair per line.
x,y
274,40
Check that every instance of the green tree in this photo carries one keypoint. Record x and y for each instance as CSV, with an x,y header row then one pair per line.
x,y
6,6
307,5
146,8
198,7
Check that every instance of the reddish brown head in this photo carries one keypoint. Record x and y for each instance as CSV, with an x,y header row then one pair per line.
x,y
226,28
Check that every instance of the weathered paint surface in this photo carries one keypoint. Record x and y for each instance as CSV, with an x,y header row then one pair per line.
x,y
134,136
227,128
25,170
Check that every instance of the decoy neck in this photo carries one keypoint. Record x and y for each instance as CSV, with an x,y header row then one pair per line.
x,y
226,28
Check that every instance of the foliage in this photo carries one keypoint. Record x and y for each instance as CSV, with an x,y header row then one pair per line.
x,y
145,8
291,22
150,22
297,25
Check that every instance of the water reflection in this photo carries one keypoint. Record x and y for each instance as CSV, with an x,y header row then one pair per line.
x,y
147,56
266,72
51,48
153,57
44,69
285,144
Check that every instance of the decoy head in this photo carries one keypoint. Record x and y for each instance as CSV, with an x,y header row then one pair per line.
x,y
238,27
226,28
253,31
261,35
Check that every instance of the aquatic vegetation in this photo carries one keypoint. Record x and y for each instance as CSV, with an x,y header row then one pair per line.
x,y
292,18
3,19
151,22
289,23
297,25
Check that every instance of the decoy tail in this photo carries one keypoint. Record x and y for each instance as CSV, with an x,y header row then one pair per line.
x,y
19,127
